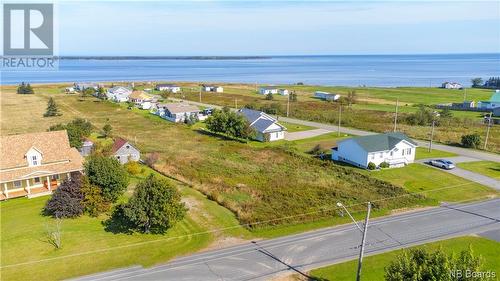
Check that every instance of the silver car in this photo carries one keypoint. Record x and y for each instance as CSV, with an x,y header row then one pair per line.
x,y
442,163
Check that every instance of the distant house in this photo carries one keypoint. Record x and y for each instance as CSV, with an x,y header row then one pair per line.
x,y
176,112
82,86
283,92
452,85
119,94
70,90
396,149
87,147
493,103
212,88
463,105
266,127
268,90
36,163
124,151
141,99
168,87
326,96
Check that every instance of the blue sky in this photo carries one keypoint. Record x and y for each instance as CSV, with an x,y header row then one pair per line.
x,y
277,28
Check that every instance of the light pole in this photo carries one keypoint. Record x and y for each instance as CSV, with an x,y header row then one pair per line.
x,y
288,105
432,136
396,116
363,239
340,118
487,131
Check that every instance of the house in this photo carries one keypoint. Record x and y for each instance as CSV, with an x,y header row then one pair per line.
x,y
212,88
268,90
168,87
119,94
266,127
283,92
141,99
82,86
36,163
463,105
496,112
124,151
493,103
87,147
70,90
326,96
177,112
396,149
452,85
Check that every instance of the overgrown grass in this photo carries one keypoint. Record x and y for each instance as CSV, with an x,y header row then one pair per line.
x,y
374,266
487,168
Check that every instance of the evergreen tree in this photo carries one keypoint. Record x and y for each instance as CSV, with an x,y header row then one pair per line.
x,y
108,174
106,130
52,109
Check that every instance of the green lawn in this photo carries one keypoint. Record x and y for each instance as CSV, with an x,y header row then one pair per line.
x,y
88,248
434,183
487,168
423,153
374,266
296,127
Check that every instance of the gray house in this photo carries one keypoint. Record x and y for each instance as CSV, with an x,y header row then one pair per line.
x,y
124,151
87,147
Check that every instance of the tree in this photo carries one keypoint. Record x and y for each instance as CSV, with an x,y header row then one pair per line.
x,y
77,130
52,109
230,123
93,202
155,205
471,141
87,92
269,96
477,82
108,174
106,130
351,97
293,96
420,265
101,93
66,202
152,158
371,166
25,89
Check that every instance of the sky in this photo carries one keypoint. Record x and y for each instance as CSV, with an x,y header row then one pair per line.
x,y
118,28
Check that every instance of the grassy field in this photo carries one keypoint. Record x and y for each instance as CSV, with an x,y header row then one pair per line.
x,y
487,168
423,153
296,127
88,248
374,266
435,184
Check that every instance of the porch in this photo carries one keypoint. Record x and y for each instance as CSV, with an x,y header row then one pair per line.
x,y
32,186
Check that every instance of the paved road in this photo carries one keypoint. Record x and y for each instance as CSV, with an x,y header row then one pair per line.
x,y
305,134
298,253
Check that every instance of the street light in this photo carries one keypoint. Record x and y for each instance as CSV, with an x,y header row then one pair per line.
x,y
363,239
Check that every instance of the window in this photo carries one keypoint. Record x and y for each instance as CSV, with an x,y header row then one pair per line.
x,y
54,177
373,156
37,180
17,184
277,135
34,160
128,146
381,155
409,151
392,153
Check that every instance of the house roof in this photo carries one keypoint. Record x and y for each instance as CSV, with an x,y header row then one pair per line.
x,y
119,88
58,156
179,107
166,85
495,97
139,95
381,142
269,88
258,119
117,144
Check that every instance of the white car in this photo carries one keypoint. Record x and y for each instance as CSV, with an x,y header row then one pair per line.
x,y
442,163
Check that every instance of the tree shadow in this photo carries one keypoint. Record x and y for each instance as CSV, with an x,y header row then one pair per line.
x,y
118,223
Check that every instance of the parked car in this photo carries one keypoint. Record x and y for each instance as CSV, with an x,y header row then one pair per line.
x,y
442,163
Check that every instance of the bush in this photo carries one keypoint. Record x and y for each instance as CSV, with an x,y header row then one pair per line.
x,y
155,206
371,166
317,150
93,202
384,165
471,141
77,130
108,174
133,168
269,96
106,130
152,158
66,202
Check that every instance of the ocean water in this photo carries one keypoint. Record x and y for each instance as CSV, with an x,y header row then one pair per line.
x,y
369,70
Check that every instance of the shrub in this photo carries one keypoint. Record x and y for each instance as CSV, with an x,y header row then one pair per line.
x,y
371,166
66,202
133,168
108,174
316,150
471,141
384,165
155,206
152,158
269,96
106,130
93,202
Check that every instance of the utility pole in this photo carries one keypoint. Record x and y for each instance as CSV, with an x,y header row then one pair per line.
x,y
487,131
288,105
465,94
432,135
396,116
362,250
236,104
340,117
200,94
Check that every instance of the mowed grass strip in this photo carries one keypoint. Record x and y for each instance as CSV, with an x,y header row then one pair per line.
x,y
374,266
423,153
487,168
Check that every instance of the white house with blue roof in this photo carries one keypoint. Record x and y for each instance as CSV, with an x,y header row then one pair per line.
x,y
396,149
266,127
493,103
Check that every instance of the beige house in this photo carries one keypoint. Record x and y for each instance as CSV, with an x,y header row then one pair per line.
x,y
36,163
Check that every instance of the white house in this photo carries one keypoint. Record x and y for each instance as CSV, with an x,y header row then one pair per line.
x,y
168,87
124,151
396,149
177,112
212,88
452,85
268,90
119,94
266,127
283,92
493,103
141,99
326,96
